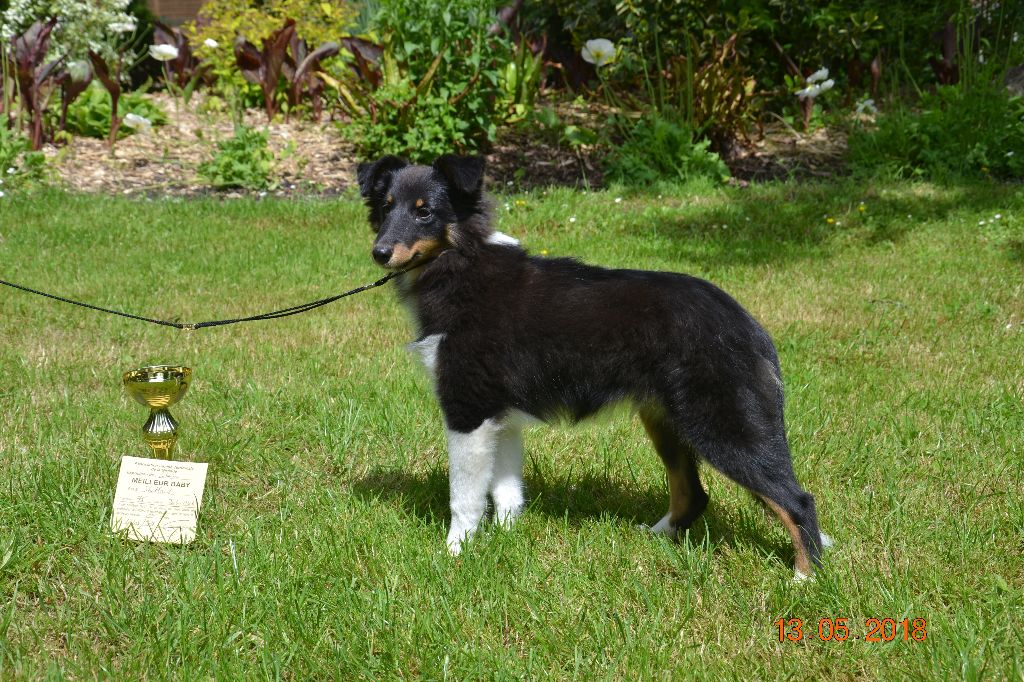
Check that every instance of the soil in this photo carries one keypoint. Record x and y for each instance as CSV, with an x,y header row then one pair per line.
x,y
314,159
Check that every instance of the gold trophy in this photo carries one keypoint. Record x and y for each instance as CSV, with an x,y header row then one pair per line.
x,y
158,387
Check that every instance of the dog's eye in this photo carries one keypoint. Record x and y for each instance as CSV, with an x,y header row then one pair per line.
x,y
423,213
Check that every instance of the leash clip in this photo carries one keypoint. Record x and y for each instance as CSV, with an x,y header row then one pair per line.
x,y
188,327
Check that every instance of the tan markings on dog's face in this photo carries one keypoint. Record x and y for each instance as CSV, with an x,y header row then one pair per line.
x,y
419,203
402,254
389,200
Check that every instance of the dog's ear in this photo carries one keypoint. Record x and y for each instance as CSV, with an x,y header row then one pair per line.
x,y
374,177
464,174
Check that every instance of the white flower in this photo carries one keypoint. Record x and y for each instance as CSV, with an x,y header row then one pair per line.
x,y
136,122
10,171
867,106
998,216
211,43
163,53
1009,153
572,219
598,52
819,75
122,26
618,200
813,91
1,194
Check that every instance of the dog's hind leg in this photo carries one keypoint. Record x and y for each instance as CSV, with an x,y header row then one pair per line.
x,y
687,498
768,473
507,483
470,470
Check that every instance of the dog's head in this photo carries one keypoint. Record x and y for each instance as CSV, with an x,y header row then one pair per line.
x,y
420,211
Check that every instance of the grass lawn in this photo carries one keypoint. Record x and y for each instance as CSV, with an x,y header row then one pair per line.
x,y
320,548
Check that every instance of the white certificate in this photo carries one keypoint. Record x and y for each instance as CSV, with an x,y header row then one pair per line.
x,y
158,500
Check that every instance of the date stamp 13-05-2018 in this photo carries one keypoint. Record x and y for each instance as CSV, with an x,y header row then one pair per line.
x,y
838,630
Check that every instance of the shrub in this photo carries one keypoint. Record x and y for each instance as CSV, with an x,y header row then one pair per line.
x,y
440,76
954,131
657,149
316,21
84,24
19,165
89,115
243,161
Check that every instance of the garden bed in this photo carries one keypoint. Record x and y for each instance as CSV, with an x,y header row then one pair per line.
x,y
313,158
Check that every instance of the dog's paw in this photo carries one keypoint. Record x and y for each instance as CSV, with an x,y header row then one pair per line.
x,y
454,547
663,527
456,538
799,576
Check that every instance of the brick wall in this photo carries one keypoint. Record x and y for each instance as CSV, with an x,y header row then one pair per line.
x,y
175,11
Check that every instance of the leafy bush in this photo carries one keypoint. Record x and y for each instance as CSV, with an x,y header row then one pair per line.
x,y
89,115
243,161
83,25
440,80
662,149
316,21
19,165
954,131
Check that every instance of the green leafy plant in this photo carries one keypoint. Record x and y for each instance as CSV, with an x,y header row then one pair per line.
x,y
520,82
662,149
90,115
242,161
953,132
440,80
19,165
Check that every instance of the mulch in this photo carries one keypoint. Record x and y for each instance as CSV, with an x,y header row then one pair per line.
x,y
315,159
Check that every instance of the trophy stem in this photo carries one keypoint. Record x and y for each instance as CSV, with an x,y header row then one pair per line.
x,y
160,432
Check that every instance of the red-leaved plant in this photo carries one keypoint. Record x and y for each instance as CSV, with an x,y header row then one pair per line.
x,y
300,68
32,74
112,82
187,69
72,84
263,67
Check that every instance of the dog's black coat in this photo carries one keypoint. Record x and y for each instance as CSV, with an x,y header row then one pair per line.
x,y
552,337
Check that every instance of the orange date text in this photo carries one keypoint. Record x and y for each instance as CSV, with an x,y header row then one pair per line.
x,y
838,630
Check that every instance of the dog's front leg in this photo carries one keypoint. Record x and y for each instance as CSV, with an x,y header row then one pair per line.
x,y
470,469
507,485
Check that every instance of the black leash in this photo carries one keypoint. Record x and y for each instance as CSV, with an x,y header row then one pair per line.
x,y
285,312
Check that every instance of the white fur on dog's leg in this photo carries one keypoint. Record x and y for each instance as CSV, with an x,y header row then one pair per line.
x,y
507,486
664,527
470,468
799,577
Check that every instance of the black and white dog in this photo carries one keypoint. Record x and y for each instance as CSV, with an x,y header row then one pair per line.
x,y
507,336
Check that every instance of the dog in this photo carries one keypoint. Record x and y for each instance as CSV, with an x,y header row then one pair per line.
x,y
508,337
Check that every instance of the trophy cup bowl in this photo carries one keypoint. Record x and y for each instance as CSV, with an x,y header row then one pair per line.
x,y
158,387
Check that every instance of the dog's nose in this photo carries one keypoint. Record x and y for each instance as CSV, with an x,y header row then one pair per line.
x,y
381,254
